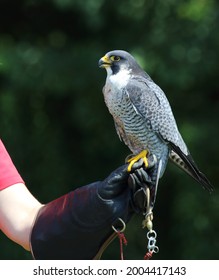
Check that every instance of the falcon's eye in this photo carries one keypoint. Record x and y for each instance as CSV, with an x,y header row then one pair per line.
x,y
115,58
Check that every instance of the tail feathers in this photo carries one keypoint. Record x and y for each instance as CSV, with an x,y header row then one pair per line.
x,y
186,163
155,174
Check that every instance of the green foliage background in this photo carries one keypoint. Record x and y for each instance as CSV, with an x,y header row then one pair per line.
x,y
58,130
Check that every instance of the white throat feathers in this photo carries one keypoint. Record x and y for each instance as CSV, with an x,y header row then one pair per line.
x,y
119,79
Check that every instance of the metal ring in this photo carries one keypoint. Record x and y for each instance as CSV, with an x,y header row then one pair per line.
x,y
151,234
156,249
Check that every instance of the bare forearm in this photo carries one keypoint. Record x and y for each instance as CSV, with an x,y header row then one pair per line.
x,y
18,209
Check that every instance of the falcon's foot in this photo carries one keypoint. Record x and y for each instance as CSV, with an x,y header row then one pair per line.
x,y
136,158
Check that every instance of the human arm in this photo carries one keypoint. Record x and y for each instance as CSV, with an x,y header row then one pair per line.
x,y
18,207
74,226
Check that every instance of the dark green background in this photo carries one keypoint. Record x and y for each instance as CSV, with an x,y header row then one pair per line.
x,y
58,130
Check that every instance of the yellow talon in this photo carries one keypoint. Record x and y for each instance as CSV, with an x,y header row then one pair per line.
x,y
134,159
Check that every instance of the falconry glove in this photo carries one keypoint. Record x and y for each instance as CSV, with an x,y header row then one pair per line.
x,y
78,225
139,181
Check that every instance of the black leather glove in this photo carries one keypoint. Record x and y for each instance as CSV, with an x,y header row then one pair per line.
x,y
78,225
140,183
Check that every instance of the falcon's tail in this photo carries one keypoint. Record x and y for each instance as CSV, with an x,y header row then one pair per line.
x,y
186,163
155,174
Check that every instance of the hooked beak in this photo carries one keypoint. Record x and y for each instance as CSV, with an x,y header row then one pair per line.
x,y
104,62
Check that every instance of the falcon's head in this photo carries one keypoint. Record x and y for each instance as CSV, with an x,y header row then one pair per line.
x,y
115,61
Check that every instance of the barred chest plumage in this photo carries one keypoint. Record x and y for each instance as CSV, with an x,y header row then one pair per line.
x,y
130,126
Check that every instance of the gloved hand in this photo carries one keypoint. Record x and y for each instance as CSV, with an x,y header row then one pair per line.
x,y
78,225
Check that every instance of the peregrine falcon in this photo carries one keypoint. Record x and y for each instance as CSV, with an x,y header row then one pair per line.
x,y
144,119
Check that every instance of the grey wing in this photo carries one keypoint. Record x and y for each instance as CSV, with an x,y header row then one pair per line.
x,y
151,103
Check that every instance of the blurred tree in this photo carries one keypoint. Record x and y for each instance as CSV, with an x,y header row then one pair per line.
x,y
55,124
